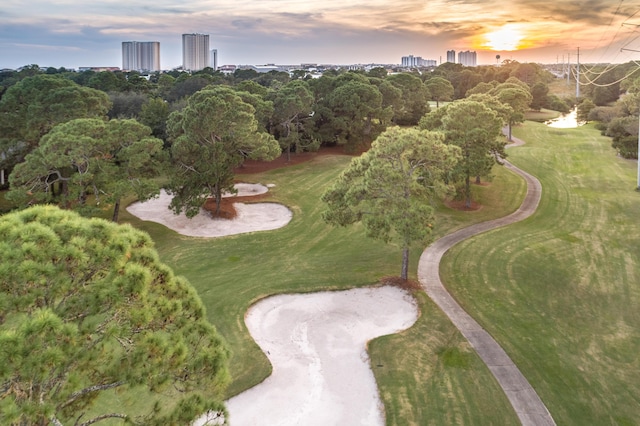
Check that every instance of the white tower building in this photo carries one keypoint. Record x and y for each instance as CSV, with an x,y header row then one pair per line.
x,y
195,51
141,56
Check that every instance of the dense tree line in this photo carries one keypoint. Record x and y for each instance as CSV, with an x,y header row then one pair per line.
x,y
349,109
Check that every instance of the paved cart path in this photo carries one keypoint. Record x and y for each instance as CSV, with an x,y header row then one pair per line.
x,y
524,399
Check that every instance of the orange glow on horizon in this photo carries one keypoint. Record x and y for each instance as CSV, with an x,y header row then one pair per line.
x,y
506,38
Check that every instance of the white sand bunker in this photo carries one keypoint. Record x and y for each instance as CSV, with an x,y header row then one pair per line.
x,y
317,346
250,217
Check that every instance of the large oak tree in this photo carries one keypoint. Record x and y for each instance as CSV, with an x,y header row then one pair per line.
x,y
108,159
517,95
475,128
356,114
33,106
415,98
349,110
440,89
211,137
389,187
293,106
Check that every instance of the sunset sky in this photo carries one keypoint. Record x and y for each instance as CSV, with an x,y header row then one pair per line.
x,y
74,33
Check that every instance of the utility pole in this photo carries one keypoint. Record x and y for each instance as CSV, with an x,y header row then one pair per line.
x,y
568,68
638,181
578,76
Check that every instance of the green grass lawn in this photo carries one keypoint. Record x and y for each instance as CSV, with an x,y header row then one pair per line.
x,y
429,374
560,291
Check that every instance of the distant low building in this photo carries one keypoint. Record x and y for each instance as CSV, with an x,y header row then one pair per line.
x,y
417,62
227,69
264,68
98,69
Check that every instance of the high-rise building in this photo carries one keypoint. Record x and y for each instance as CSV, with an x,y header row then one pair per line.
x,y
468,59
195,51
129,55
214,59
141,56
150,56
451,56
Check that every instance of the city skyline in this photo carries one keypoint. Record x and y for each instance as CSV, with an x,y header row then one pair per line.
x,y
77,34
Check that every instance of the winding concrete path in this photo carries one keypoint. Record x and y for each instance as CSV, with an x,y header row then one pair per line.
x,y
527,404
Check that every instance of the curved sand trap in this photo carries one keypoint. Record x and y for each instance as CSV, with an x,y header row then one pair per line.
x,y
250,217
317,346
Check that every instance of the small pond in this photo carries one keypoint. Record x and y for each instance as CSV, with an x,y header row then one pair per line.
x,y
566,121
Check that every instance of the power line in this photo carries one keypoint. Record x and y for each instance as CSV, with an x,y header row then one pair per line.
x,y
594,73
607,28
593,82
623,78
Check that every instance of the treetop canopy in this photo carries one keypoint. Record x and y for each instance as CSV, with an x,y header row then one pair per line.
x,y
87,306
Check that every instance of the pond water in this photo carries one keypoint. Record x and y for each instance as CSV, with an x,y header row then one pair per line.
x,y
566,121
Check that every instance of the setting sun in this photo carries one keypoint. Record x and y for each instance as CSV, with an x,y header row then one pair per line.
x,y
505,38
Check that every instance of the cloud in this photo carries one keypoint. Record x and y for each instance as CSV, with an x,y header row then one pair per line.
x,y
157,10
247,24
290,31
592,12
